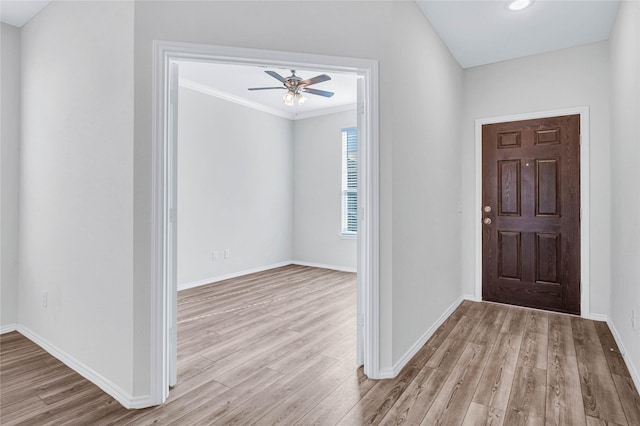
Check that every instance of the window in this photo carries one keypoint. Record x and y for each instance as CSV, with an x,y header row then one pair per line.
x,y
349,181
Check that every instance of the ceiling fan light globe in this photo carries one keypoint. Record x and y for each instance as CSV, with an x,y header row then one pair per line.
x,y
301,98
288,99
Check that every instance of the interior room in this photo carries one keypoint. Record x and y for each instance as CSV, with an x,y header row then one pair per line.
x,y
501,214
274,172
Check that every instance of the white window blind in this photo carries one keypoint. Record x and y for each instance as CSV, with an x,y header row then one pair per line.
x,y
349,181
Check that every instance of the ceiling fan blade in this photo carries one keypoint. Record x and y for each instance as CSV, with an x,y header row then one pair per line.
x,y
317,79
276,76
265,88
318,92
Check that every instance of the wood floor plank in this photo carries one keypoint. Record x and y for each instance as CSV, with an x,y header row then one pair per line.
x,y
528,393
340,345
464,329
299,404
372,408
599,393
448,352
203,408
279,344
449,324
476,310
629,398
20,409
494,388
564,404
490,325
264,359
52,378
481,415
283,343
337,404
416,400
592,421
58,410
263,402
514,321
454,398
446,355
611,350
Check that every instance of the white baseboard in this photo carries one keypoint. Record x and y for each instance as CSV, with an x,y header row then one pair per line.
x,y
8,328
471,297
386,373
627,360
232,275
597,317
325,266
212,280
126,400
389,373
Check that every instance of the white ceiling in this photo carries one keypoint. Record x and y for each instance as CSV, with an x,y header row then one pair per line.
x,y
19,12
476,32
483,32
232,82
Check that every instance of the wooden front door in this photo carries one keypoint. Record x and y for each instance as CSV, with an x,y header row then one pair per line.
x,y
531,213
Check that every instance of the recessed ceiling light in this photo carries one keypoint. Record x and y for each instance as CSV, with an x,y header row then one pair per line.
x,y
519,4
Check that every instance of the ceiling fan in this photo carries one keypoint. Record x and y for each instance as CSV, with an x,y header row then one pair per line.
x,y
295,86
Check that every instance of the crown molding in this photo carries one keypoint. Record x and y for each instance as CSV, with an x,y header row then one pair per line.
x,y
326,111
232,98
190,84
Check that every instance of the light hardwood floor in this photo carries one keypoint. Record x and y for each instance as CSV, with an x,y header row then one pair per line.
x,y
278,348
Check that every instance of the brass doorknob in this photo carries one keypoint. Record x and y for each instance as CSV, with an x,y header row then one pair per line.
x,y
487,221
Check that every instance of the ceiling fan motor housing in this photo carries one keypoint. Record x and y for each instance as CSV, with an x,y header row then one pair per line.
x,y
292,83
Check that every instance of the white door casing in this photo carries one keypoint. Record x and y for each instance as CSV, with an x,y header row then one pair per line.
x,y
172,224
164,190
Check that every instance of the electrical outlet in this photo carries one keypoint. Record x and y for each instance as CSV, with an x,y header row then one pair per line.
x,y
633,319
227,253
44,299
214,255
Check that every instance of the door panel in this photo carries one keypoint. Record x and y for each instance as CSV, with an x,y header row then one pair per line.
x,y
531,213
509,259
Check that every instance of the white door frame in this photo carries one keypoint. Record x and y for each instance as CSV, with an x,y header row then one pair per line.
x,y
162,152
585,307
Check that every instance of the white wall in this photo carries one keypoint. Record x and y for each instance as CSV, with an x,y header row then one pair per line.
x,y
235,172
566,78
86,183
317,191
266,25
426,177
76,182
10,159
381,34
625,177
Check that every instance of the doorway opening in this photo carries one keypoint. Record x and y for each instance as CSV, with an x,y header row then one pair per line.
x,y
164,288
582,214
